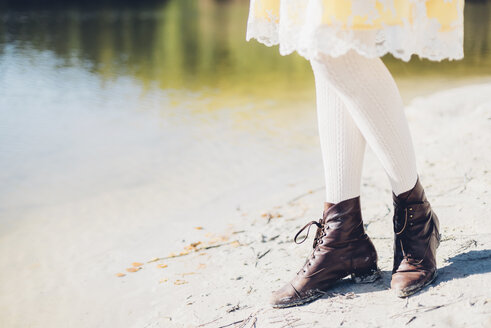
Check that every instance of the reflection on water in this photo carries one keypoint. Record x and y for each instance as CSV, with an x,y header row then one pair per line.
x,y
190,44
181,44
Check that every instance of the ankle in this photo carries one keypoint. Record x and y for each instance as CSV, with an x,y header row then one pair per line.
x,y
404,186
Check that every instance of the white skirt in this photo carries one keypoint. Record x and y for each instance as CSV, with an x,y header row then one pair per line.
x,y
431,29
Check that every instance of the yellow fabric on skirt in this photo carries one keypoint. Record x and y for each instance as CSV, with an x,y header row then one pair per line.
x,y
432,29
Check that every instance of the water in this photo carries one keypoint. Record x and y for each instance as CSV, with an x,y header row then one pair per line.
x,y
135,103
194,45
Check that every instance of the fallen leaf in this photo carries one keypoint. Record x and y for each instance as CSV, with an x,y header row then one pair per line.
x,y
187,273
192,246
136,264
235,243
155,259
180,282
133,269
198,228
119,274
161,265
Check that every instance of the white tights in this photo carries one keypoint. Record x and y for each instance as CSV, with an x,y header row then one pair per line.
x,y
358,101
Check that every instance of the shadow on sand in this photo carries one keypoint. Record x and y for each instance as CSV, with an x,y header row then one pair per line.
x,y
465,264
461,266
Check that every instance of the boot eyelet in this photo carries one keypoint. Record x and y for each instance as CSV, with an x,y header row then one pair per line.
x,y
411,216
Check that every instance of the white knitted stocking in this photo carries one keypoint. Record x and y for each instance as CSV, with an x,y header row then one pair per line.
x,y
342,144
371,97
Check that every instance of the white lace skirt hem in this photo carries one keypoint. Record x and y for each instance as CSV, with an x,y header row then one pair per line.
x,y
424,39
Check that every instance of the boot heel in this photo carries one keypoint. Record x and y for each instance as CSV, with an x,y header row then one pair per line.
x,y
366,276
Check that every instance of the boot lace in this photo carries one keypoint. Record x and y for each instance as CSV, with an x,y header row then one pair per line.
x,y
318,235
317,240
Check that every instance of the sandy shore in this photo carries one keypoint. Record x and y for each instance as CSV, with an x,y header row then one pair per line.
x,y
209,272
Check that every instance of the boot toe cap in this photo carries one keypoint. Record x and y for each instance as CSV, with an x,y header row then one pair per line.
x,y
408,283
284,297
289,296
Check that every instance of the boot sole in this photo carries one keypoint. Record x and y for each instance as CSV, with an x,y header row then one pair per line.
x,y
362,278
366,277
403,293
300,301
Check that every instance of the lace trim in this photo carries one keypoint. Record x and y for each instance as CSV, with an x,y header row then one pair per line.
x,y
423,38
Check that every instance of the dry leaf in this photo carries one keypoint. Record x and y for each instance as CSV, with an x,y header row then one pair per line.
x,y
198,228
155,259
119,274
161,265
180,282
162,280
172,255
184,253
134,269
235,243
187,273
136,264
192,246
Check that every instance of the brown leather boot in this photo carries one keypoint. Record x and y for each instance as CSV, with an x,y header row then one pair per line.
x,y
341,248
416,239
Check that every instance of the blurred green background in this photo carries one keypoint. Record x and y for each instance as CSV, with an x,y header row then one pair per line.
x,y
195,45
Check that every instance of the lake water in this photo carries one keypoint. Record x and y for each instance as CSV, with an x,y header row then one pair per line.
x,y
163,104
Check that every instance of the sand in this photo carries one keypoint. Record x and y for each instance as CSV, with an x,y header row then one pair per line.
x,y
217,263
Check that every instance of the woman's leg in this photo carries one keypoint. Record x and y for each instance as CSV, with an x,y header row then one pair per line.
x,y
340,233
342,144
372,98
